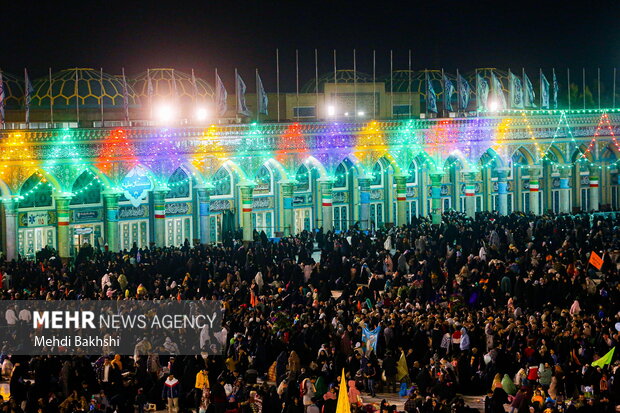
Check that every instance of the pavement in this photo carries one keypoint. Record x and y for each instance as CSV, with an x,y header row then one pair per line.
x,y
477,402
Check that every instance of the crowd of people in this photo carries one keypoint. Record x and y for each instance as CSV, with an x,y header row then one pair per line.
x,y
507,306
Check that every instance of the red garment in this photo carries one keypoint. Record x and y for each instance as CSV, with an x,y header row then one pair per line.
x,y
532,373
528,352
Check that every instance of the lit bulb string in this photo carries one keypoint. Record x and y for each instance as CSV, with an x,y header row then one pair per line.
x,y
542,154
43,181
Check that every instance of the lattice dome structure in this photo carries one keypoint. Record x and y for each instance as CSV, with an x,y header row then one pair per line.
x,y
13,90
91,87
171,84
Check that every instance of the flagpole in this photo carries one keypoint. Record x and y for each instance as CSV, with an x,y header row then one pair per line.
x,y
77,97
26,98
149,92
101,99
126,97
236,94
176,91
297,81
524,87
277,81
316,82
443,83
354,86
1,99
374,88
477,93
599,86
194,92
257,99
584,86
541,87
217,97
391,84
458,92
568,80
51,99
335,88
426,100
614,91
511,87
409,84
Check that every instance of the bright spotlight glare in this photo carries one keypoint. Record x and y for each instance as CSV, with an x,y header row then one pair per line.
x,y
331,110
346,114
201,114
493,106
361,113
166,113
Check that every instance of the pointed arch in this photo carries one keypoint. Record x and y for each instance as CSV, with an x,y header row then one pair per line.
x,y
521,151
5,191
277,166
180,183
103,178
582,153
610,153
456,158
36,192
353,163
315,163
86,189
491,157
387,157
559,156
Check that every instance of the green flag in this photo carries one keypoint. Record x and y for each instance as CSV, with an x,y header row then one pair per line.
x,y
605,360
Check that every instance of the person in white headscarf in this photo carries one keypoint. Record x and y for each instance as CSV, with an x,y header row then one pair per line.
x,y
171,347
258,279
387,245
105,281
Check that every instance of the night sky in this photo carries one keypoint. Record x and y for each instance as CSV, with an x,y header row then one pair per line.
x,y
244,34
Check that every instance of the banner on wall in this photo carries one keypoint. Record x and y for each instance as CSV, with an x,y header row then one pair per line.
x,y
136,185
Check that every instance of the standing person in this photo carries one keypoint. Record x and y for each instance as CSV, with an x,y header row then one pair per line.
x,y
171,393
201,389
369,374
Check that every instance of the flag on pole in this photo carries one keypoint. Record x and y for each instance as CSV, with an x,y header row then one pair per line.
x,y
464,92
529,92
149,84
149,91
448,91
605,360
498,92
482,92
343,405
516,92
431,97
125,96
1,98
595,260
544,91
27,94
242,108
370,338
194,87
263,101
220,95
402,371
555,90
